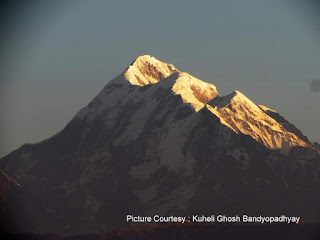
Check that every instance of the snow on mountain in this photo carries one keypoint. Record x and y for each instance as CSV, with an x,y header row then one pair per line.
x,y
146,77
242,115
287,125
159,141
266,109
143,71
147,69
147,72
193,90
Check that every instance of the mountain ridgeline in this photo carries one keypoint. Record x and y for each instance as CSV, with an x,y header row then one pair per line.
x,y
156,140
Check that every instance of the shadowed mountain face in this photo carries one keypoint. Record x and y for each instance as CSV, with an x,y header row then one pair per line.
x,y
9,202
7,184
159,141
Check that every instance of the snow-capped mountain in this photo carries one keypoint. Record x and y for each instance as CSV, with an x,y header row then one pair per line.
x,y
148,70
156,140
242,115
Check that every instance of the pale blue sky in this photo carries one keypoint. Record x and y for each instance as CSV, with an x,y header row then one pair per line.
x,y
57,58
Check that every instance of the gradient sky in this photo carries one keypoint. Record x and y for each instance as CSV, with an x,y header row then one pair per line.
x,y
57,57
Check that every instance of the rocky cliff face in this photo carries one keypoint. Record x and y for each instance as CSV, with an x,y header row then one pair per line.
x,y
159,141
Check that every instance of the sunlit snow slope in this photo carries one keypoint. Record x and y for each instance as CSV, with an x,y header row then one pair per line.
x,y
242,115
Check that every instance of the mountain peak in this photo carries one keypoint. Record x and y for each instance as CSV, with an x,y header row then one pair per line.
x,y
192,90
146,69
143,139
236,97
242,115
145,58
